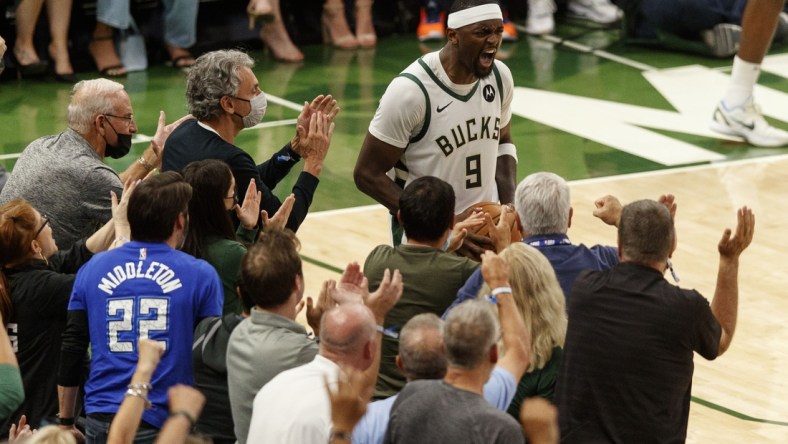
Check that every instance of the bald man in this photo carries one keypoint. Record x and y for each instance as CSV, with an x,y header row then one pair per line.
x,y
294,407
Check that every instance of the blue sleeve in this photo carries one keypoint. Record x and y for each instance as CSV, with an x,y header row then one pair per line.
x,y
212,296
372,427
500,389
608,256
468,291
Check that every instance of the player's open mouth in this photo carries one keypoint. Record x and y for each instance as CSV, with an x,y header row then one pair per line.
x,y
487,57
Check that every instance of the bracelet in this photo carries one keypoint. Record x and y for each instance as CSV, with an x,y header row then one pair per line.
x,y
338,434
499,290
139,394
185,414
142,385
122,240
148,166
65,421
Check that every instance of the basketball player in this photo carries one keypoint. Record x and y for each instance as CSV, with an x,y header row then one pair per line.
x,y
145,289
737,114
447,115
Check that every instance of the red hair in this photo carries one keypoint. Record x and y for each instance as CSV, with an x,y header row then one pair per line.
x,y
18,226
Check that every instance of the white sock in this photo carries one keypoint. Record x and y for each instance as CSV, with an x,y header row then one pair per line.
x,y
744,76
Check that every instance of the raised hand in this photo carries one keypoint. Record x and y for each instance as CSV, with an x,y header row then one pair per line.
x,y
163,131
608,208
314,312
501,233
347,403
495,270
461,230
21,432
321,103
315,142
247,212
149,352
119,208
386,296
279,220
731,247
669,201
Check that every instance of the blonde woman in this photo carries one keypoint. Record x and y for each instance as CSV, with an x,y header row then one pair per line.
x,y
541,303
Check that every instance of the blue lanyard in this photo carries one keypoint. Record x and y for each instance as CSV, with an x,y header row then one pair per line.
x,y
549,242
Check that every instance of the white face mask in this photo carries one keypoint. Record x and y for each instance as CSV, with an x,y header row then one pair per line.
x,y
258,104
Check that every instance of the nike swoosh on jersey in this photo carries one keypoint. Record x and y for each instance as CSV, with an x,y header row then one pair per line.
x,y
439,109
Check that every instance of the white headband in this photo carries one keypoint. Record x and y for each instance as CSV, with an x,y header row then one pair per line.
x,y
474,15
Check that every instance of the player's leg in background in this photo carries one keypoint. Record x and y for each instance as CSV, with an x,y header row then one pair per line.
x,y
737,114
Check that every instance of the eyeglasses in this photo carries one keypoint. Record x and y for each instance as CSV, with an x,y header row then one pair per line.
x,y
234,198
130,117
46,222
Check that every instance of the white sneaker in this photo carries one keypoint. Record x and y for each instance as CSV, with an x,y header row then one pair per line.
x,y
598,11
540,17
747,121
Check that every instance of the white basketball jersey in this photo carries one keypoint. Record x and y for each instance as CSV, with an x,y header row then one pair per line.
x,y
458,141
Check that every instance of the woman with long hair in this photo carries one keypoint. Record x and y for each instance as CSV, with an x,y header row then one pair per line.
x,y
211,234
35,286
541,302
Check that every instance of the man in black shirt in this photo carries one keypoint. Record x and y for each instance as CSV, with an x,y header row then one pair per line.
x,y
224,97
626,374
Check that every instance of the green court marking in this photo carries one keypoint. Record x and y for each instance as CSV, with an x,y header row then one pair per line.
x,y
322,264
734,413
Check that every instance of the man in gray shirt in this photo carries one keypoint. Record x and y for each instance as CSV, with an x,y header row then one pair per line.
x,y
453,409
269,341
64,176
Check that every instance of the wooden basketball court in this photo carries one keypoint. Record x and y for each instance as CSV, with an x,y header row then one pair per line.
x,y
741,396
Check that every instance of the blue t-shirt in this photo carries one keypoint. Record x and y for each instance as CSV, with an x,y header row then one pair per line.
x,y
142,290
371,429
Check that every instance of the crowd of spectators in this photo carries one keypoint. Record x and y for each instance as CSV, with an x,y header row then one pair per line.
x,y
179,284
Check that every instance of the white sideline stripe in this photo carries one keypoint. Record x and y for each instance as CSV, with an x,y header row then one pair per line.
x,y
351,210
644,174
284,102
713,165
588,49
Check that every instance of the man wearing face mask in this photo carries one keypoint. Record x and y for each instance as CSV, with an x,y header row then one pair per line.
x,y
100,124
224,97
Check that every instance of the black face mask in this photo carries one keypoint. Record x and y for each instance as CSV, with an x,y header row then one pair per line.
x,y
121,148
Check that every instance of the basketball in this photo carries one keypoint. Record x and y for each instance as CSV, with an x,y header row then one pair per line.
x,y
494,210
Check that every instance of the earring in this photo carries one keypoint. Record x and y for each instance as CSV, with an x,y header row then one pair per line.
x,y
41,255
